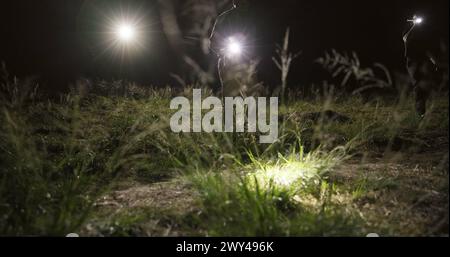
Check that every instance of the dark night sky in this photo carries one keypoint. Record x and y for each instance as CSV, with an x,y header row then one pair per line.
x,y
43,37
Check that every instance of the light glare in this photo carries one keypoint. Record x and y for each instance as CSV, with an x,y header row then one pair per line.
x,y
287,175
126,33
234,48
418,20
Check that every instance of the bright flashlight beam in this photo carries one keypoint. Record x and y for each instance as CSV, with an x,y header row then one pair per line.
x,y
234,48
126,33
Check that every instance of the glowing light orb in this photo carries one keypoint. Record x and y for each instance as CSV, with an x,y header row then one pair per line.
x,y
126,33
418,20
234,48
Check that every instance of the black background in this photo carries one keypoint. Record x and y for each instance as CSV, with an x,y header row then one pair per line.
x,y
282,246
44,38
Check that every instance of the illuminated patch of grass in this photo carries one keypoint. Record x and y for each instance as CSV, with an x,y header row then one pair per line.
x,y
286,197
298,169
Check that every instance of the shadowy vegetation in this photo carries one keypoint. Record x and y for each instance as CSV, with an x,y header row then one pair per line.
x,y
102,160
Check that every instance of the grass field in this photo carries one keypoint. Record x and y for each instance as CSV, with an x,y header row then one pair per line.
x,y
103,165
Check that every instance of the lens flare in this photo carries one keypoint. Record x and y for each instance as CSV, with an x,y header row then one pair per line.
x,y
233,48
126,33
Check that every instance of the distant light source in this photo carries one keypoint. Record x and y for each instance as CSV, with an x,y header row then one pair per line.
x,y
233,48
126,33
416,20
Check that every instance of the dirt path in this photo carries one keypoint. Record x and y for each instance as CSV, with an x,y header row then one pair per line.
x,y
143,210
410,193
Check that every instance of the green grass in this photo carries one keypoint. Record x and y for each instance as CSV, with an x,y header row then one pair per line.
x,y
289,197
60,158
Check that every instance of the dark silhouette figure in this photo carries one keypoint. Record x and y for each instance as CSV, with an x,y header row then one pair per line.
x,y
421,64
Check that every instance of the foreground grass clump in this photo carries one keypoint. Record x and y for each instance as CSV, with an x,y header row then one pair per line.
x,y
288,197
58,157
43,191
